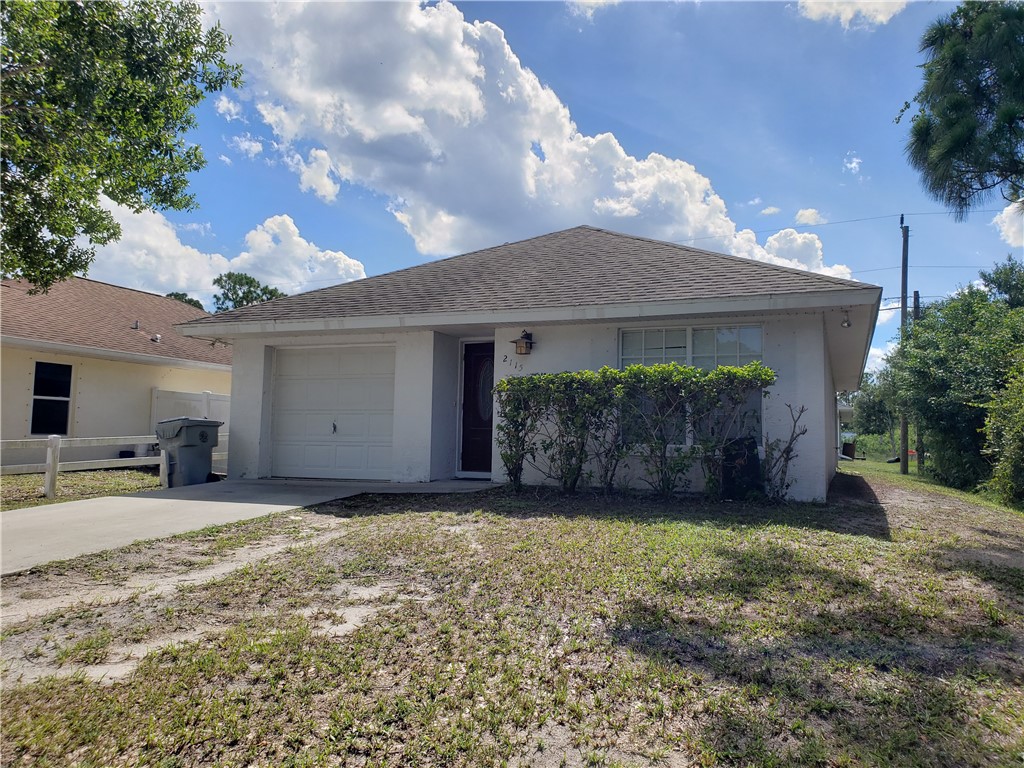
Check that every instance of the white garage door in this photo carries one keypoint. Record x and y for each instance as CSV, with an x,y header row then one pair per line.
x,y
333,412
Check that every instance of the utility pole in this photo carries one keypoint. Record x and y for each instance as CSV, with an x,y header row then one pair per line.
x,y
904,437
919,447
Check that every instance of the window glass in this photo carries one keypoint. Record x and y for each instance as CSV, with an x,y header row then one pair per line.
x,y
52,380
50,417
750,341
632,343
654,346
675,346
51,399
704,341
709,348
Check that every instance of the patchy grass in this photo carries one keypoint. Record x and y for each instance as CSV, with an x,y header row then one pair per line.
x,y
913,481
544,630
17,491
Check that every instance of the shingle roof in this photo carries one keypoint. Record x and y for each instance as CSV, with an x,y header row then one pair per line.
x,y
583,266
88,313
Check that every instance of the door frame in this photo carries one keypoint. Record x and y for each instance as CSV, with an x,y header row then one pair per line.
x,y
459,473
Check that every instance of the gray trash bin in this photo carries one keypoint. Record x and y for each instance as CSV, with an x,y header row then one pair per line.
x,y
189,444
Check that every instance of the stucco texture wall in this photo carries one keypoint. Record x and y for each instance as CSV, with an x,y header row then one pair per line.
x,y
108,398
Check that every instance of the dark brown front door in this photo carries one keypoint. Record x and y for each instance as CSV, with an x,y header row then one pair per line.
x,y
477,407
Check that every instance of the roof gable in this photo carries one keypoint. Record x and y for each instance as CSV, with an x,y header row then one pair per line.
x,y
90,314
583,266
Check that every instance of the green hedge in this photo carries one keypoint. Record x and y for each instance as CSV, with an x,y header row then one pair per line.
x,y
581,425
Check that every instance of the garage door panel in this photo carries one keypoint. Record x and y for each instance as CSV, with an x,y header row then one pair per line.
x,y
382,395
352,426
378,457
334,413
323,362
380,426
291,426
376,364
321,395
291,362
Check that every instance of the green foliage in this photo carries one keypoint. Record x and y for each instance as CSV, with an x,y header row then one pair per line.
x,y
952,363
874,407
240,290
568,425
967,138
1006,281
185,298
723,414
521,405
96,100
1004,430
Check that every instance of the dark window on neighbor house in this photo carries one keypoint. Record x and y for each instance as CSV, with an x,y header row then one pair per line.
x,y
51,399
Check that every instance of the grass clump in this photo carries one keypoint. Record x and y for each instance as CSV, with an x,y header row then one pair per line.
x,y
583,631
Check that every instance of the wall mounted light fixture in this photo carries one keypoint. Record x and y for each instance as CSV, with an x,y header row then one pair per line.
x,y
524,343
846,320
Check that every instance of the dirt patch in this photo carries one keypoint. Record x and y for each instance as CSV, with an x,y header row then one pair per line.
x,y
972,533
101,617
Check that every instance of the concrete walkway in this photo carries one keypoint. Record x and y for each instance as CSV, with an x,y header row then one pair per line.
x,y
38,535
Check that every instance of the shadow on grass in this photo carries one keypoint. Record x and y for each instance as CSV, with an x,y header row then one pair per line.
x,y
857,520
863,671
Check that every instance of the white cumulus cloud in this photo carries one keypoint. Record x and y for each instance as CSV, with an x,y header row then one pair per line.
x,y
852,13
877,356
771,210
587,8
1011,224
809,217
315,175
441,118
889,310
150,256
802,249
247,145
228,109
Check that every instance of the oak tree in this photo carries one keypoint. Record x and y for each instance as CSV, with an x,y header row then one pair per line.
x,y
96,101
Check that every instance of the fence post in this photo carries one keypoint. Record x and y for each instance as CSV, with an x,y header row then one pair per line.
x,y
163,469
52,465
206,403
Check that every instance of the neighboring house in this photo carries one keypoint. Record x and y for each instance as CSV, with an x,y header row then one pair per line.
x,y
85,359
390,377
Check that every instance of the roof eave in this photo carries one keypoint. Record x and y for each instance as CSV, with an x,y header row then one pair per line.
x,y
849,297
111,354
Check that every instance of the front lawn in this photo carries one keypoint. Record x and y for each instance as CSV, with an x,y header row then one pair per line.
x,y
885,629
17,491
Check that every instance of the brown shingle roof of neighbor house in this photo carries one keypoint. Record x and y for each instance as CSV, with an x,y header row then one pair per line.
x,y
87,313
583,266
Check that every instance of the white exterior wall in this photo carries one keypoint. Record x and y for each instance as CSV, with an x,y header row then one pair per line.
x,y
427,383
794,347
108,398
444,406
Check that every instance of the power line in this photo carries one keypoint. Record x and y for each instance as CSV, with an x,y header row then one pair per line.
x,y
833,223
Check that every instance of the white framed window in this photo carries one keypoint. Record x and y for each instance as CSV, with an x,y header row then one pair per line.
x,y
51,399
701,347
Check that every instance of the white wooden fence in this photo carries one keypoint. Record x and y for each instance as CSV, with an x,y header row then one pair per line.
x,y
53,465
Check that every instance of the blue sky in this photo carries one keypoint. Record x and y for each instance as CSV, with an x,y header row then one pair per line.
x,y
374,136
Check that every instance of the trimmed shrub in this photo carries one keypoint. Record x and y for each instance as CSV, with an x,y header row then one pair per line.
x,y
570,426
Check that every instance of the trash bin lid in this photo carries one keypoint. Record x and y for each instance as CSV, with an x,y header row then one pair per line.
x,y
169,428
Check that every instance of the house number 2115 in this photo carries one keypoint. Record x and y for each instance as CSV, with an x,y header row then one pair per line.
x,y
512,363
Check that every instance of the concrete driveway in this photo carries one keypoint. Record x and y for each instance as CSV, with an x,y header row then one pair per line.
x,y
38,535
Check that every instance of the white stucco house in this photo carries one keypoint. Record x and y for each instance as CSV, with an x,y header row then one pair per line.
x,y
390,377
90,359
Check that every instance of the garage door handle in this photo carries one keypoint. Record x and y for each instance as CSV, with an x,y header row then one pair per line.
x,y
334,428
